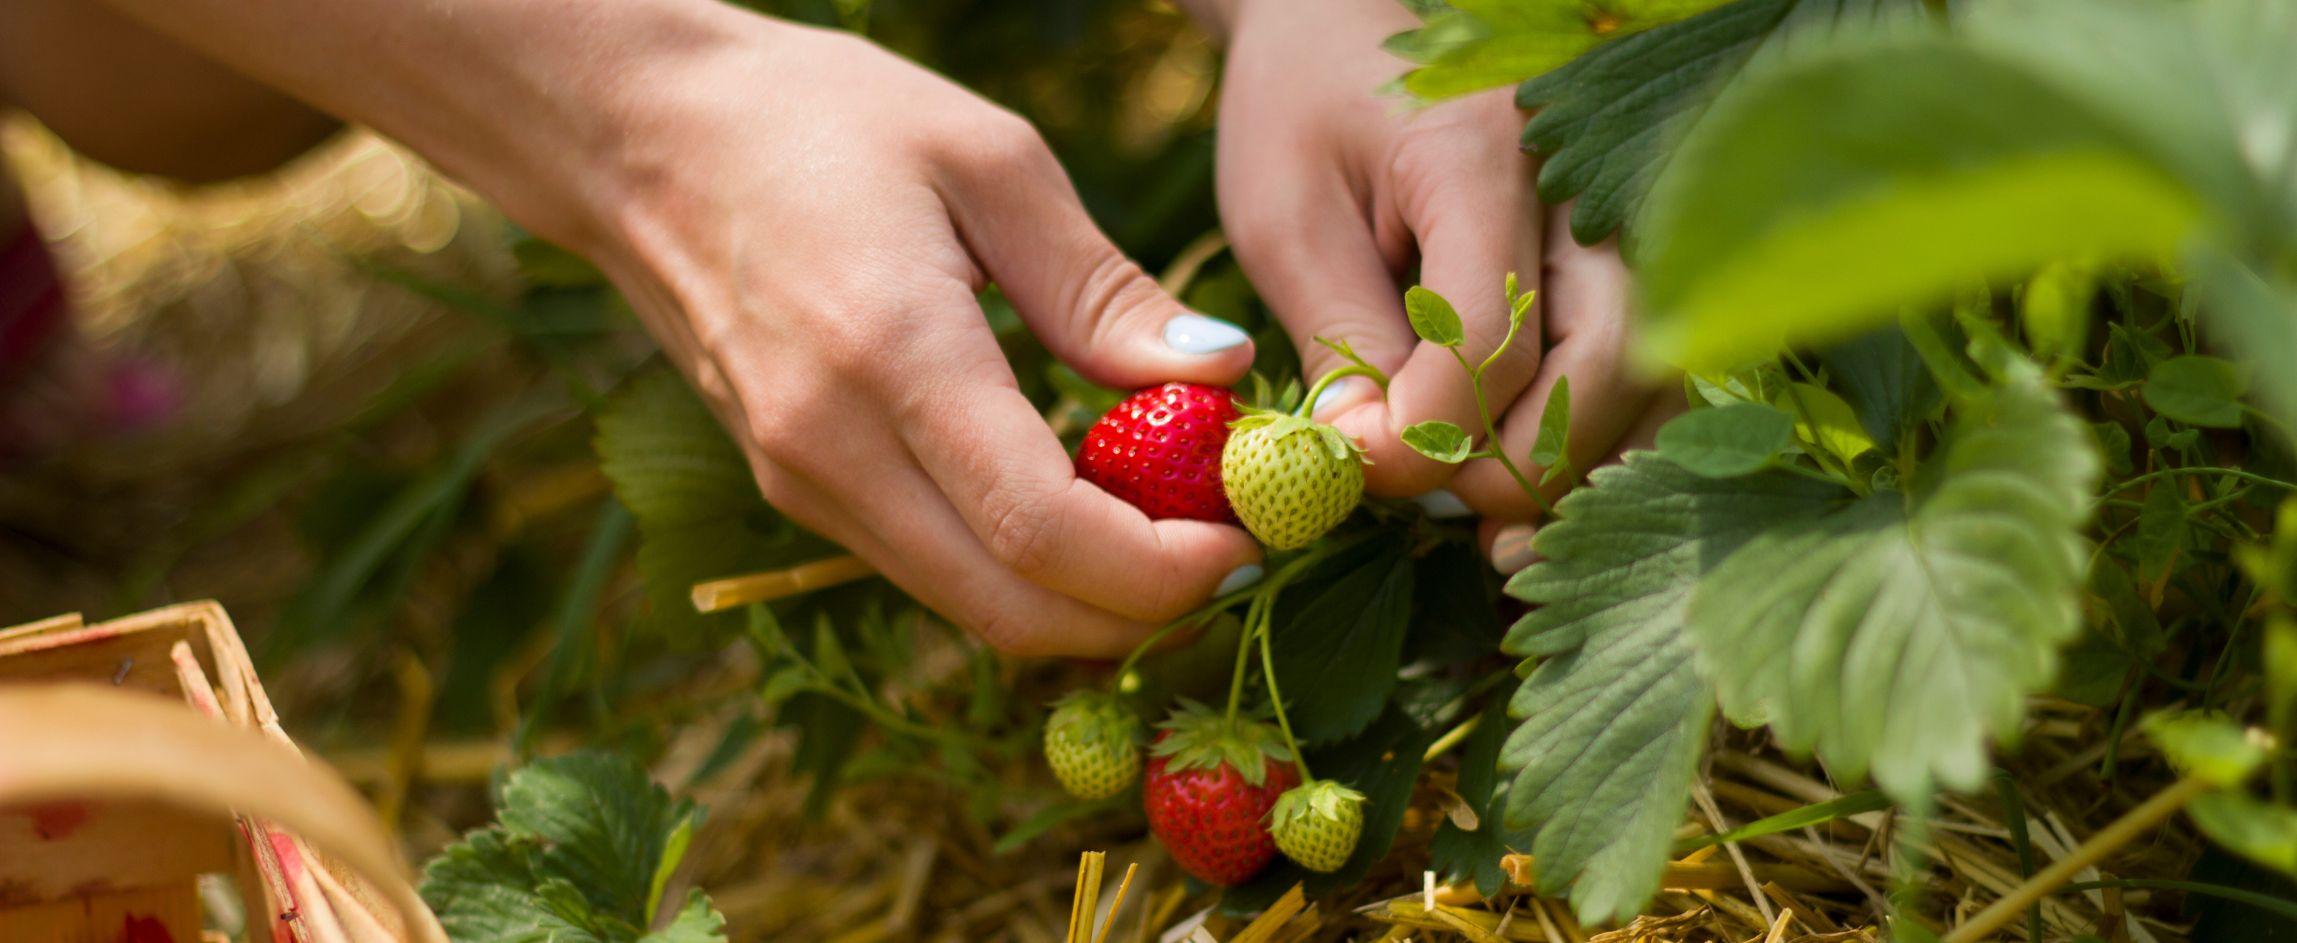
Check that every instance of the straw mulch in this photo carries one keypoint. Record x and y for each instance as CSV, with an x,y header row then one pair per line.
x,y
905,859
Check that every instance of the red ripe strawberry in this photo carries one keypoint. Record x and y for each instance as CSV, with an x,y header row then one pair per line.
x,y
1159,450
1211,783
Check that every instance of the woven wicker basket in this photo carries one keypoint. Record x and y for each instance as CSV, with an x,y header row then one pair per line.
x,y
138,755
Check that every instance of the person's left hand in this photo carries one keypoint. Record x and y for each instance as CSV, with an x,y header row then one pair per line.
x,y
1332,189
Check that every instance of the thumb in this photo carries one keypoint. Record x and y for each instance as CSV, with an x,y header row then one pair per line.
x,y
1092,307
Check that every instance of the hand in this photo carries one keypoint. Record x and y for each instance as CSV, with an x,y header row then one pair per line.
x,y
808,222
1331,190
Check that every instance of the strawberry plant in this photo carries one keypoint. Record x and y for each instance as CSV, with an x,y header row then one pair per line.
x,y
584,851
1982,314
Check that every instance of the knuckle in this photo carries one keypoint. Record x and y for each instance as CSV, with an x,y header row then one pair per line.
x,y
992,626
998,141
770,430
1021,531
1004,632
1112,286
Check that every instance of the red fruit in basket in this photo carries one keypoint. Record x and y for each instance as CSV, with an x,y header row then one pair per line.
x,y
137,928
1159,450
1210,784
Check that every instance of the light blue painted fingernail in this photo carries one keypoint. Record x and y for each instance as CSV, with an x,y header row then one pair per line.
x,y
1238,578
1441,504
1332,394
1196,334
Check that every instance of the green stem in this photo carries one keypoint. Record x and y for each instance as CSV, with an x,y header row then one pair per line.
x,y
2105,841
1126,667
1810,473
1513,325
1491,432
1276,699
2277,905
1243,653
1308,402
875,711
2233,473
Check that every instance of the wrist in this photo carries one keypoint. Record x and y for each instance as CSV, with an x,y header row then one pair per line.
x,y
580,133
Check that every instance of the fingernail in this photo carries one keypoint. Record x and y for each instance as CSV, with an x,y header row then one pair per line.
x,y
1196,334
1441,504
1511,548
1334,393
1238,578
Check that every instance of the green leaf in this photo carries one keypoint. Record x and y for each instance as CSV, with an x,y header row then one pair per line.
x,y
1612,720
2257,316
1726,441
1439,440
1606,124
1458,853
699,512
2206,745
2160,529
544,263
379,560
2197,390
1339,644
673,852
829,651
1823,196
602,823
1547,451
1882,377
2055,309
584,844
2114,445
1455,608
1481,44
1904,631
2280,670
1824,421
1817,813
484,890
697,922
1432,317
2249,827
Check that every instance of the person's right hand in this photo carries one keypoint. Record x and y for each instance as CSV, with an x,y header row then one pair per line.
x,y
803,220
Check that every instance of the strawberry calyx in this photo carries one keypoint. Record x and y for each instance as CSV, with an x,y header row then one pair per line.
x,y
1198,737
1094,718
1320,800
1281,425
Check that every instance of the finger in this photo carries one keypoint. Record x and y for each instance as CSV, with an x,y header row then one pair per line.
x,y
1508,543
986,448
927,551
1314,260
1475,222
1092,307
1587,288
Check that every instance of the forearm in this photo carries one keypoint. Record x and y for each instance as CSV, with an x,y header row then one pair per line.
x,y
531,102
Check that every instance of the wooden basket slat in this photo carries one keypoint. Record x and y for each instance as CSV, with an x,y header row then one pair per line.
x,y
53,889
105,917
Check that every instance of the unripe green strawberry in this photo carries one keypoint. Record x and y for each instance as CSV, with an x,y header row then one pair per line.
x,y
1092,741
1317,824
1290,478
